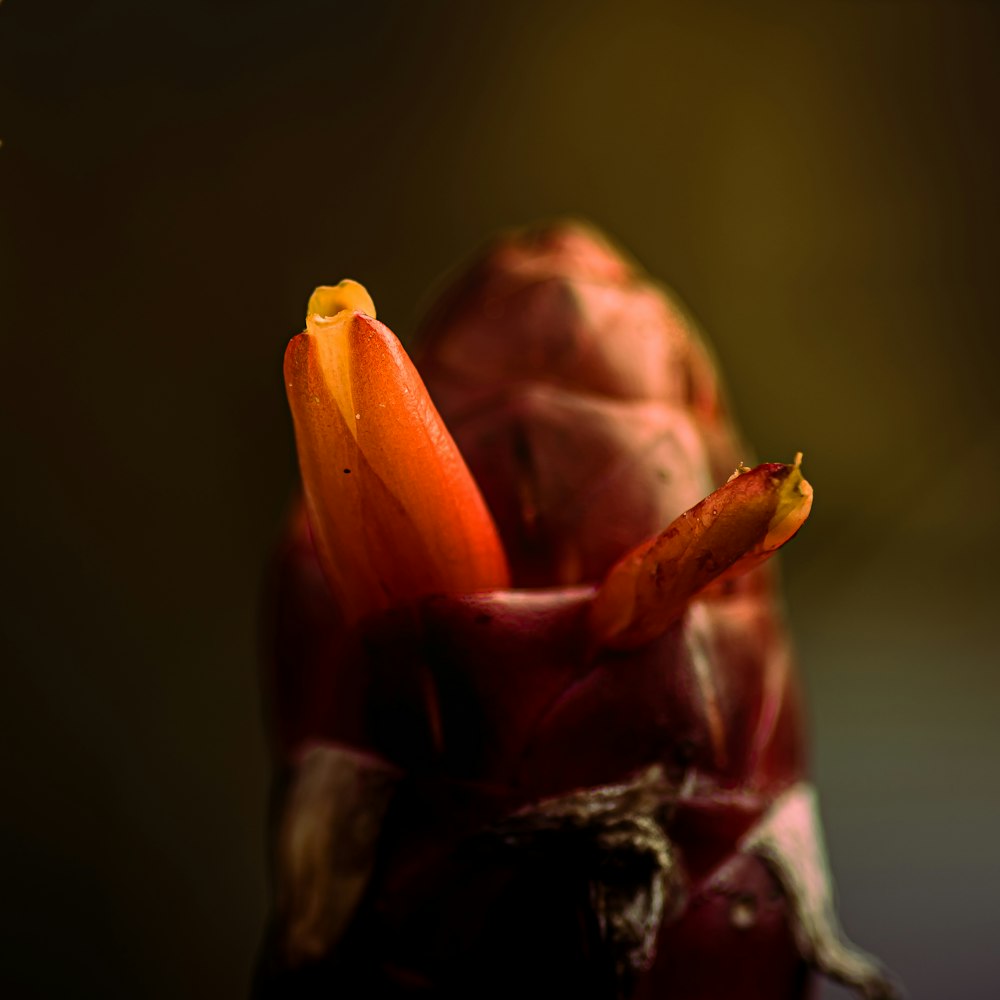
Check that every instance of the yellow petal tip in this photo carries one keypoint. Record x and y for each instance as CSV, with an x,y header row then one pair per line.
x,y
328,300
794,502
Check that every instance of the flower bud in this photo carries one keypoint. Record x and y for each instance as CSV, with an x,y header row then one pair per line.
x,y
584,775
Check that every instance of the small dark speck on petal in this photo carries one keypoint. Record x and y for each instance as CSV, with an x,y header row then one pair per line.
x,y
346,471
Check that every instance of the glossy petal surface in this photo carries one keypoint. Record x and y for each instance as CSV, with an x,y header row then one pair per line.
x,y
394,511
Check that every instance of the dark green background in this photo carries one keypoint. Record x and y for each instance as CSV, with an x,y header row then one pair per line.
x,y
818,181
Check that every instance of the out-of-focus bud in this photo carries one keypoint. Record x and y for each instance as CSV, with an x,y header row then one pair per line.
x,y
581,396
560,305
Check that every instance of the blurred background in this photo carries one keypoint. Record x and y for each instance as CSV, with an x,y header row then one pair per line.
x,y
819,184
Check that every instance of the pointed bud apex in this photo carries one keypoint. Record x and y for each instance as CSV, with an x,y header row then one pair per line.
x,y
394,511
729,532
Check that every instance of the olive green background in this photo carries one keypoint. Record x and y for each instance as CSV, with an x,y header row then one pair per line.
x,y
818,182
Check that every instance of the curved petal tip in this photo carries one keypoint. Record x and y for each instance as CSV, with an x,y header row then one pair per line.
x,y
730,532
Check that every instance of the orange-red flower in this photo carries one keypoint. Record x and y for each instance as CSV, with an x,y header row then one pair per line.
x,y
535,705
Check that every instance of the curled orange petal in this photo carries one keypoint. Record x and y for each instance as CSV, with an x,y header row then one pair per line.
x,y
394,511
728,533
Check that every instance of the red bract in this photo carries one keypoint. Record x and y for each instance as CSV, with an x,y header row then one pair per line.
x,y
535,711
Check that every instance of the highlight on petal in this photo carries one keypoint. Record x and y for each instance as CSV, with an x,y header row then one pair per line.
x,y
326,843
730,532
394,511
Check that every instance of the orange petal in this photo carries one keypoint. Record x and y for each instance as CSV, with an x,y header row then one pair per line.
x,y
395,512
729,532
